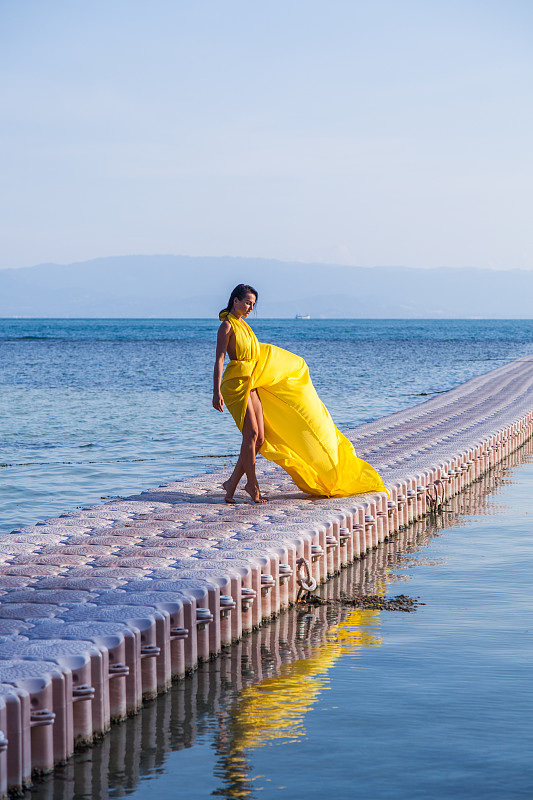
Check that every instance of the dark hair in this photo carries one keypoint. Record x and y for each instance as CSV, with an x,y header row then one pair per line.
x,y
240,293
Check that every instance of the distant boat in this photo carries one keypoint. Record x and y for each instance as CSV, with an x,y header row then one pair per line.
x,y
303,316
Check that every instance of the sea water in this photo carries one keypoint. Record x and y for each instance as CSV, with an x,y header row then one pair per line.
x,y
337,702
94,409
325,701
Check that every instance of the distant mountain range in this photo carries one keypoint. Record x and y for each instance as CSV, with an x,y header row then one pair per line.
x,y
186,286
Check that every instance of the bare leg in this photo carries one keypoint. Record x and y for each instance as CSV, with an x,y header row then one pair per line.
x,y
252,486
252,439
239,470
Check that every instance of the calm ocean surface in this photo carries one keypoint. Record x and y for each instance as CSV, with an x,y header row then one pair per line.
x,y
324,702
334,702
91,409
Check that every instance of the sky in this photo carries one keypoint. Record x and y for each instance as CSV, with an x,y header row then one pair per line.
x,y
357,132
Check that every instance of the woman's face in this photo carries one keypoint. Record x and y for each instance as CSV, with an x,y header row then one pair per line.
x,y
241,308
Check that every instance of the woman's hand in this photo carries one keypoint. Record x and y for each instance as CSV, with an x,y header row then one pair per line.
x,y
218,402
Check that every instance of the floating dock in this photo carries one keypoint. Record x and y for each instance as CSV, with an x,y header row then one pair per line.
x,y
102,608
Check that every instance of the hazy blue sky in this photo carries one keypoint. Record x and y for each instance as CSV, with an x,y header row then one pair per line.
x,y
359,132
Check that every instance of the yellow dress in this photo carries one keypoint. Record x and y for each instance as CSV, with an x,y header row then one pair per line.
x,y
300,435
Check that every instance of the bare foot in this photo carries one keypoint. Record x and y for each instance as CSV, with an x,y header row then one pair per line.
x,y
255,494
229,494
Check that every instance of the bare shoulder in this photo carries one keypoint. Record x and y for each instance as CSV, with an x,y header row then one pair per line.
x,y
223,335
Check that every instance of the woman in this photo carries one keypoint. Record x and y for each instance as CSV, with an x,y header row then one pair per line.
x,y
270,396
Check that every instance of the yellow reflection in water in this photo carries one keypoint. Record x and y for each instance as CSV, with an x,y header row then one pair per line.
x,y
274,709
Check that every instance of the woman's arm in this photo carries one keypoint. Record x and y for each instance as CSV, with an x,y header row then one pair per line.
x,y
222,345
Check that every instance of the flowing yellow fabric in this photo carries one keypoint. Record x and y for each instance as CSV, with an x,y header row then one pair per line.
x,y
300,435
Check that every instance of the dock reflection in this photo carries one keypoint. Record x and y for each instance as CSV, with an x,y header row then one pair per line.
x,y
259,691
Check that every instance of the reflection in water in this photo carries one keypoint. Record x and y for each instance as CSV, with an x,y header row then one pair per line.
x,y
259,691
274,709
